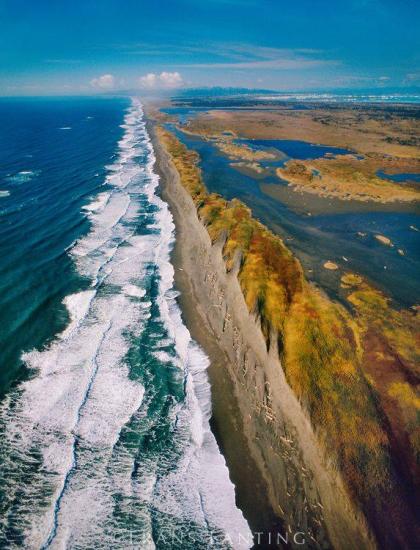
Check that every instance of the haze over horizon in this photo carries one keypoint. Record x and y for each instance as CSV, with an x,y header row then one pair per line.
x,y
87,47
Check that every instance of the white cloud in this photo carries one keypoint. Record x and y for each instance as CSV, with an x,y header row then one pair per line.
x,y
148,81
163,80
170,80
106,82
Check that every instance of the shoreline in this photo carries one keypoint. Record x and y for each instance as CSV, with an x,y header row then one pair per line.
x,y
226,421
229,429
291,472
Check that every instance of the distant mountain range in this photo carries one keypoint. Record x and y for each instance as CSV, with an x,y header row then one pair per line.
x,y
219,91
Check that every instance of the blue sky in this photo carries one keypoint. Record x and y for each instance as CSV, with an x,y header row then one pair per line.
x,y
87,46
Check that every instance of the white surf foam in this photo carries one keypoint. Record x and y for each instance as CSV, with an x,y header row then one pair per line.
x,y
200,486
71,414
134,291
98,203
24,176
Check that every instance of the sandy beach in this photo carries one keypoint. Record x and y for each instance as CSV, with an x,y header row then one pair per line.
x,y
283,482
231,431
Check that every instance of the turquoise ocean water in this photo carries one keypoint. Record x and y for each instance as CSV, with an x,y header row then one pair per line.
x,y
105,404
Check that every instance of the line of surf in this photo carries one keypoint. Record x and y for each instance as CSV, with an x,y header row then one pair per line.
x,y
82,397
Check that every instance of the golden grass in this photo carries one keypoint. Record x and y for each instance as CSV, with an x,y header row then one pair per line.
x,y
242,151
322,363
348,178
351,279
320,342
362,130
400,328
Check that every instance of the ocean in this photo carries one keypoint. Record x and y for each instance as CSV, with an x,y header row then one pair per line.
x,y
105,403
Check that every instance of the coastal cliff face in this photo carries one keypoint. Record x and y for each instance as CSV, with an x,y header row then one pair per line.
x,y
305,488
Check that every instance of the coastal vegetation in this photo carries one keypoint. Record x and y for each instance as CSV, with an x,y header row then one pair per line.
x,y
347,177
353,368
242,151
375,138
253,168
366,129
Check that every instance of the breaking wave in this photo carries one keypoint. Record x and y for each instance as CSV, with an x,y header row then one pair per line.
x,y
108,444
